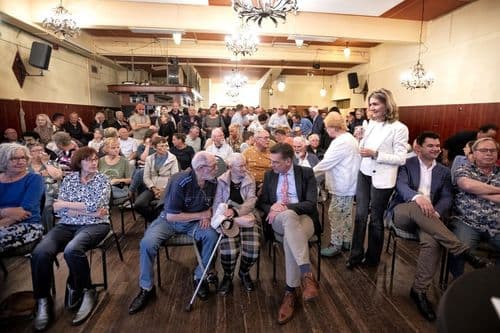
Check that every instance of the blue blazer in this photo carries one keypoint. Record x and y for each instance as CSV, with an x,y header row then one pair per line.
x,y
318,126
408,181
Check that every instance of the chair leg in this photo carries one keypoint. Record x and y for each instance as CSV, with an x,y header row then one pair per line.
x,y
166,252
122,220
319,260
388,242
274,262
104,269
443,274
158,271
4,269
393,265
258,266
118,247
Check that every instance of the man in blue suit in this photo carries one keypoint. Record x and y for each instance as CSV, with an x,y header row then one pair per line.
x,y
423,198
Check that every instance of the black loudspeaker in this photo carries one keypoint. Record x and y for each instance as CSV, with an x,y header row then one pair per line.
x,y
40,55
353,80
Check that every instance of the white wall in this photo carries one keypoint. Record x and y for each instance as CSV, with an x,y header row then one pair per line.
x,y
463,53
68,79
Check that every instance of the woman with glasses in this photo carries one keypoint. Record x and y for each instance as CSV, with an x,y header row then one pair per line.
x,y
236,189
83,209
158,169
20,195
52,175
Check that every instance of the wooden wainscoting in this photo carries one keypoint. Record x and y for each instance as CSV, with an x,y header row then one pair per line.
x,y
9,112
449,119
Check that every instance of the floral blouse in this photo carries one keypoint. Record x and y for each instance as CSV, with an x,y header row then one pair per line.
x,y
95,194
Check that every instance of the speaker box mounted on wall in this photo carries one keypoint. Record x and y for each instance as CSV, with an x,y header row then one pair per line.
x,y
40,55
353,80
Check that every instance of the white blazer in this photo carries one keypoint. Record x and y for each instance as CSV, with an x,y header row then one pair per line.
x,y
390,141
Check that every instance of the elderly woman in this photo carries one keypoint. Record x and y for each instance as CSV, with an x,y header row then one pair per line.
x,y
158,169
52,175
44,128
314,146
236,188
20,195
382,150
116,167
82,206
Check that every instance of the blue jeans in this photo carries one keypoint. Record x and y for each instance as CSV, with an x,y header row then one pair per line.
x,y
75,241
161,230
471,237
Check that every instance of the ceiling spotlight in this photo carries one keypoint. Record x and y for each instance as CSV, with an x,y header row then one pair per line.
x,y
177,36
347,50
322,92
299,42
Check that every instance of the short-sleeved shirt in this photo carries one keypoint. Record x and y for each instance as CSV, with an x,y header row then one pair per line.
x,y
119,170
257,162
185,196
137,119
476,212
127,147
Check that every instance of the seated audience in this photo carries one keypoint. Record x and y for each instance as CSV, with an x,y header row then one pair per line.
x,y
234,139
281,135
166,127
20,195
99,122
189,120
248,141
289,201
120,121
116,168
258,124
218,146
145,148
10,136
52,175
188,204
128,147
44,128
97,140
182,151
314,146
236,189
33,138
159,167
477,202
340,166
193,139
66,147
278,119
303,124
82,206
58,121
462,160
77,129
422,201
258,157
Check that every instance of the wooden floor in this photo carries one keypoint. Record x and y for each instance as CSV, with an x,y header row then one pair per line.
x,y
351,301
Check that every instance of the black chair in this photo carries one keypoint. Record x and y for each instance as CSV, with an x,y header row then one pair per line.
x,y
121,203
278,239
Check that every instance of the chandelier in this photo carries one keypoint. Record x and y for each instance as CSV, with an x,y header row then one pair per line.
x,y
232,92
417,77
257,10
242,42
236,80
61,22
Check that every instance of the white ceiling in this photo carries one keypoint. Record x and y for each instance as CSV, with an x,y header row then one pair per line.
x,y
349,7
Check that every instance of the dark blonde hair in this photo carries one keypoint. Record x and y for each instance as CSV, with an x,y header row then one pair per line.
x,y
385,96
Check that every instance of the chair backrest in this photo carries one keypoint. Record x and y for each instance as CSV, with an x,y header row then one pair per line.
x,y
221,166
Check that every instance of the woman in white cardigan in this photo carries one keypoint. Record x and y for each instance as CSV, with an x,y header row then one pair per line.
x,y
382,150
159,167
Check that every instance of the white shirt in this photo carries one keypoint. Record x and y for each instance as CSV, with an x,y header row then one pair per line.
x,y
223,151
292,189
304,162
127,147
276,121
340,165
370,141
255,126
424,187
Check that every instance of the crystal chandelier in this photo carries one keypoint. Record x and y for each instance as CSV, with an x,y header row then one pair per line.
x,y
232,92
61,22
257,10
417,78
242,42
236,80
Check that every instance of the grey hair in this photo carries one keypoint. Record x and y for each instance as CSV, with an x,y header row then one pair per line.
x,y
260,131
201,158
479,141
313,135
7,151
234,157
301,139
313,108
61,138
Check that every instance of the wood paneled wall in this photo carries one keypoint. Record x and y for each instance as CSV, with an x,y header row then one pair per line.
x,y
449,119
9,112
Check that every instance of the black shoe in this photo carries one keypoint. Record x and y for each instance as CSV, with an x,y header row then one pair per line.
x,y
473,260
89,302
226,286
353,263
72,297
43,314
423,305
141,300
204,289
247,282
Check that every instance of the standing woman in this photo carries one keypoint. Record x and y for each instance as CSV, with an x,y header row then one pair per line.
x,y
82,206
44,128
20,195
382,150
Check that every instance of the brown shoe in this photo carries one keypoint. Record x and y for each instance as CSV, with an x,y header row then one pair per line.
x,y
310,288
287,307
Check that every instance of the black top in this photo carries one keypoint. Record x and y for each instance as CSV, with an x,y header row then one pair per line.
x,y
235,194
184,156
456,143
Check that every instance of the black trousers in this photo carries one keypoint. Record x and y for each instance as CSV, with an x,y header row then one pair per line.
x,y
372,201
75,241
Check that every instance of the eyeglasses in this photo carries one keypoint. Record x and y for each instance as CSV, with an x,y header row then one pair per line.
x,y
19,159
487,150
264,137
